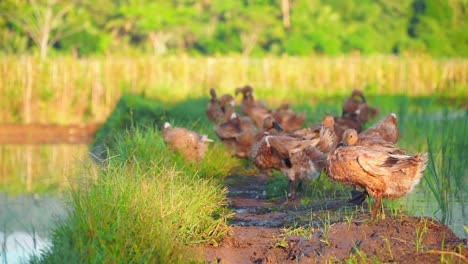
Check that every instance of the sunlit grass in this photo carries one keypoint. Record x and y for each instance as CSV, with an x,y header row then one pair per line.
x,y
146,205
141,191
71,90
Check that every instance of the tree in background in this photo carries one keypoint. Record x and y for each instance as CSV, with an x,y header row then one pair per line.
x,y
45,21
248,27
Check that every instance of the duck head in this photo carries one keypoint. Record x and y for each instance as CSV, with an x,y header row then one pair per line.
x,y
358,94
213,94
328,121
204,138
227,99
269,122
350,137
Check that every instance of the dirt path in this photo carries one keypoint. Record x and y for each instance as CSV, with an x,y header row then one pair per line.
x,y
263,231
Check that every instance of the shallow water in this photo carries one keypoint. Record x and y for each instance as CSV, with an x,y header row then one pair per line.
x,y
25,224
419,203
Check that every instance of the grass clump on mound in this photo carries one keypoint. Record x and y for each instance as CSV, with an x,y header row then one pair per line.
x,y
146,204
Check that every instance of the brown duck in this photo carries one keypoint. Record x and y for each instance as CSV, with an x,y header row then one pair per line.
x,y
189,144
219,110
238,134
297,158
356,105
288,119
384,130
303,161
383,134
381,173
255,109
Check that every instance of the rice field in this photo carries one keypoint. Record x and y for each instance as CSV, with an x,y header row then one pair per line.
x,y
432,117
69,90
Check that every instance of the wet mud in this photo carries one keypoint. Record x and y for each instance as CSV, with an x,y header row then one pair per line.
x,y
265,230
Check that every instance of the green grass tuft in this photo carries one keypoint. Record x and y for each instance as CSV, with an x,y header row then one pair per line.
x,y
146,205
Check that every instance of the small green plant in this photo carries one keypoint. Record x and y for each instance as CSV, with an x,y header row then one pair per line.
x,y
349,217
389,247
356,251
326,228
420,232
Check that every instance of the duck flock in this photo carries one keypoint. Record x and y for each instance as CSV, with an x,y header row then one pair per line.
x,y
278,139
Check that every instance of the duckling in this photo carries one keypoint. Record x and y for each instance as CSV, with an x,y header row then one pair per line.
x,y
219,110
189,144
238,134
382,174
289,120
384,130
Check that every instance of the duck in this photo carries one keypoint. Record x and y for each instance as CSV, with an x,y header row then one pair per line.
x,y
327,126
302,160
384,130
382,135
381,173
352,103
255,109
219,110
189,144
238,134
347,122
288,119
356,105
248,99
297,157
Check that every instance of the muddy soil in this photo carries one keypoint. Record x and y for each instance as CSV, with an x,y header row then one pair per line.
x,y
278,231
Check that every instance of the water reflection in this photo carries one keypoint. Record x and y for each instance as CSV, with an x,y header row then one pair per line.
x,y
18,247
420,203
25,223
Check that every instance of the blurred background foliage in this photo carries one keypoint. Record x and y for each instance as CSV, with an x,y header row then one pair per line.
x,y
224,27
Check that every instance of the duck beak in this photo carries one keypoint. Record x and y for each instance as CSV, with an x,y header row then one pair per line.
x,y
277,127
205,138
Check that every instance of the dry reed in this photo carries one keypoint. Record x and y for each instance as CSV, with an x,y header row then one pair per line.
x,y
71,90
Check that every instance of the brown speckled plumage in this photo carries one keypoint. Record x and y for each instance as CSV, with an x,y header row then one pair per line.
x,y
298,158
381,173
386,130
255,109
356,105
288,119
189,144
219,109
238,134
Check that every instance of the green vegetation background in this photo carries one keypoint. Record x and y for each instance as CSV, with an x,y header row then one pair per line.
x,y
249,27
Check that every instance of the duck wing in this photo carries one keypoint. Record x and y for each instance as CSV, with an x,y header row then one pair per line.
x,y
382,145
285,145
374,163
